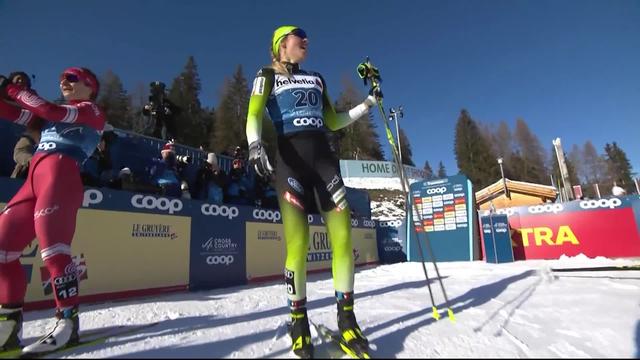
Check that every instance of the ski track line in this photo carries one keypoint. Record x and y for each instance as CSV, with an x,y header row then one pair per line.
x,y
570,351
517,342
568,333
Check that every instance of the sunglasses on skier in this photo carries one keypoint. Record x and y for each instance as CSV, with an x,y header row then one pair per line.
x,y
72,78
299,33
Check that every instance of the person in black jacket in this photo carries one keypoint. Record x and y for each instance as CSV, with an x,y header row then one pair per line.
x,y
211,181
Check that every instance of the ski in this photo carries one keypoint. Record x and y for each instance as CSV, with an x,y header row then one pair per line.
x,y
337,340
599,268
88,338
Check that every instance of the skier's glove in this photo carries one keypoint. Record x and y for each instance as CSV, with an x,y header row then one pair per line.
x,y
258,159
376,92
3,85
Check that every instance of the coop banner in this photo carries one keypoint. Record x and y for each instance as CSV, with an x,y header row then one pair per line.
x,y
596,227
218,245
392,241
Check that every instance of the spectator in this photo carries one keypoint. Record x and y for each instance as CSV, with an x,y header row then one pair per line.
x,y
127,181
124,181
266,195
166,172
184,187
239,190
617,190
97,171
238,153
211,181
25,147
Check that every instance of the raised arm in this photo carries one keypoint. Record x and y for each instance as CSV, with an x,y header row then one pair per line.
x,y
336,121
85,113
14,113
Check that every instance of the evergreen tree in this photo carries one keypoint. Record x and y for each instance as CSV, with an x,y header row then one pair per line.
x,y
360,139
428,172
594,164
442,172
474,155
501,142
140,123
114,101
192,121
555,169
532,156
575,157
619,167
503,147
231,115
405,148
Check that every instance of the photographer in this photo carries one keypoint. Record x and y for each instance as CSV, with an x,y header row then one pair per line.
x,y
240,190
211,181
266,195
97,171
166,173
162,111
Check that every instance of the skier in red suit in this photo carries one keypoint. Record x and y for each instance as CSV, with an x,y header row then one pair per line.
x,y
47,203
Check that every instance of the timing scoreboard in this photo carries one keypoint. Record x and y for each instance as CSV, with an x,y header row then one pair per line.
x,y
439,206
442,211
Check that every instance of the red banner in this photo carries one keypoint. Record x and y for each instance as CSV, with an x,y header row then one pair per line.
x,y
608,233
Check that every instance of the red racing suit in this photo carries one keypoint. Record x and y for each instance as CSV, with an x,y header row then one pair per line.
x,y
47,203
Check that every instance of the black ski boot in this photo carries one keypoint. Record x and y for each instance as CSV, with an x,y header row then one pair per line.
x,y
64,333
10,327
349,329
300,334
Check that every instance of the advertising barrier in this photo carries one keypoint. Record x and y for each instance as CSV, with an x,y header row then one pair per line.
x,y
496,239
392,241
123,246
217,245
266,250
443,212
597,227
129,244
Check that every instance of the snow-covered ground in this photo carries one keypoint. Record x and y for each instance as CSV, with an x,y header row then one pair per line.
x,y
519,309
374,183
387,209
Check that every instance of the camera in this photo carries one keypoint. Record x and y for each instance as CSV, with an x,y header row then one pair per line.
x,y
184,159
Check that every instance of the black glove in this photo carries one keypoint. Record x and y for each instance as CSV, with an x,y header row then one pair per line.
x,y
375,91
258,159
4,81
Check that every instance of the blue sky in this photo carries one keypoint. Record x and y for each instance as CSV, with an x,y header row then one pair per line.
x,y
570,68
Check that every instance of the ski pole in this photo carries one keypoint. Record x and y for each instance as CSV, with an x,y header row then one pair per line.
x,y
435,265
368,72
